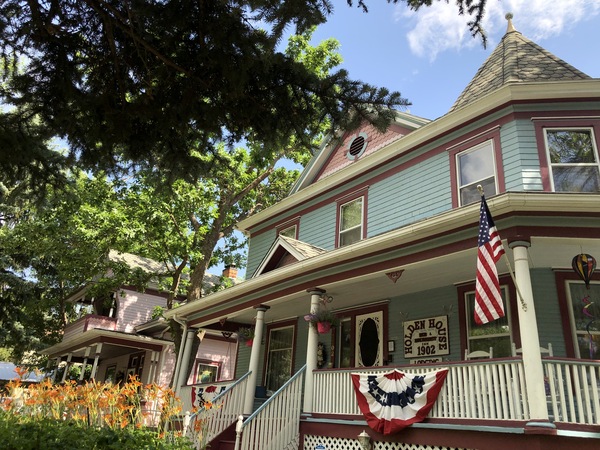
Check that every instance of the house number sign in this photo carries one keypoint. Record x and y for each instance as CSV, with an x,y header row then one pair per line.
x,y
426,337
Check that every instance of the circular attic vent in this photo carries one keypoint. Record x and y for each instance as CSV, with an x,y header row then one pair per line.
x,y
357,146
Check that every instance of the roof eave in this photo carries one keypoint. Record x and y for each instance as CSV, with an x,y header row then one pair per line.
x,y
526,91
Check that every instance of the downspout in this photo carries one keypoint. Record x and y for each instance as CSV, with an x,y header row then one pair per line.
x,y
179,354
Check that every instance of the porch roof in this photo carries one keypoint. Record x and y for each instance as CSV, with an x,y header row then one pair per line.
x,y
356,274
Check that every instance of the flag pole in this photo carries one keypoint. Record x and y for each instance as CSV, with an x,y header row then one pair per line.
x,y
510,271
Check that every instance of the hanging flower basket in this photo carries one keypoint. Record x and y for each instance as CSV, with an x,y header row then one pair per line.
x,y
323,320
323,327
246,335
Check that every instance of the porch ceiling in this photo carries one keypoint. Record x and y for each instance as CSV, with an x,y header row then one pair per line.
x,y
439,271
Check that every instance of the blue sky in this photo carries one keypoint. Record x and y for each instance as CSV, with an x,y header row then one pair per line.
x,y
430,56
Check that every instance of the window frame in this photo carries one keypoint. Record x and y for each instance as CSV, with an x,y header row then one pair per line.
x,y
563,123
295,223
360,195
511,306
470,144
277,326
210,363
562,279
552,165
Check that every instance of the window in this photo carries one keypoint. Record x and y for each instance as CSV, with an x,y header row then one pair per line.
x,y
573,159
289,232
476,166
496,334
206,371
351,222
586,330
279,357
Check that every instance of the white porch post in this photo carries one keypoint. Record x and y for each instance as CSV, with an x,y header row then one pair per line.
x,y
311,352
67,367
85,360
530,340
58,360
96,358
255,358
185,359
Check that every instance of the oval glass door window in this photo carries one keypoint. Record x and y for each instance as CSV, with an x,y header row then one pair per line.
x,y
369,337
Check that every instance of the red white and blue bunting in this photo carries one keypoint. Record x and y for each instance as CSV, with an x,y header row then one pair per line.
x,y
394,400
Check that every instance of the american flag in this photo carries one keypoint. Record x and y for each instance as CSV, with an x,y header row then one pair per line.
x,y
488,297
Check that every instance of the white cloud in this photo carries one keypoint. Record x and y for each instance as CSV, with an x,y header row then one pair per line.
x,y
439,28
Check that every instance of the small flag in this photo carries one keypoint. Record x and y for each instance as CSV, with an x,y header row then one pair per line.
x,y
488,297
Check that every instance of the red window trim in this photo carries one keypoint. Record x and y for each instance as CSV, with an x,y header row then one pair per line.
x,y
505,280
269,327
488,135
561,278
288,224
347,199
540,124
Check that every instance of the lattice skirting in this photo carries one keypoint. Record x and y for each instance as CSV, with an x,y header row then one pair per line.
x,y
310,442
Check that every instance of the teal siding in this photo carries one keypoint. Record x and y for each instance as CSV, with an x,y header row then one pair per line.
x,y
419,192
311,228
549,320
258,246
520,156
416,308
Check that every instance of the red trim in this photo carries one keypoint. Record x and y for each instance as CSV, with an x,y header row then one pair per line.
x,y
479,137
394,262
342,201
561,278
462,290
564,123
288,224
274,326
508,117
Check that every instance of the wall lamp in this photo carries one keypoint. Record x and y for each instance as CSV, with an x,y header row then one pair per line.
x,y
364,440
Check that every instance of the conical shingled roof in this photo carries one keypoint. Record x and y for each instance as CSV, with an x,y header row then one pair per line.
x,y
516,59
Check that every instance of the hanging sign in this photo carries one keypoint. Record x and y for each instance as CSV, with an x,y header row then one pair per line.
x,y
426,338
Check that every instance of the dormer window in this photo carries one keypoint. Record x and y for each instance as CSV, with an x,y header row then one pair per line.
x,y
573,159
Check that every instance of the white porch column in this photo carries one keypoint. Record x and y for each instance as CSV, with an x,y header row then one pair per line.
x,y
185,359
530,340
57,366
255,358
85,360
96,358
67,367
311,352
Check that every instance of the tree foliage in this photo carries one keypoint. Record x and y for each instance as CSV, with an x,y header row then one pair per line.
x,y
154,84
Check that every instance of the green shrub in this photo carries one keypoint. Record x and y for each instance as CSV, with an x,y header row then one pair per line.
x,y
24,433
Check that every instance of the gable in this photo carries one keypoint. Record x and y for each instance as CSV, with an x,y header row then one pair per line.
x,y
344,153
286,251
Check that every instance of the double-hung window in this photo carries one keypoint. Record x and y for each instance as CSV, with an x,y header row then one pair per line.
x,y
351,224
573,159
476,166
586,330
495,334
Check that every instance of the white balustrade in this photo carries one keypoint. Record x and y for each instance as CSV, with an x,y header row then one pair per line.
x,y
276,423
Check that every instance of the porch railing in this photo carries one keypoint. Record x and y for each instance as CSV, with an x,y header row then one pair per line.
x,y
208,422
573,390
474,390
483,389
276,423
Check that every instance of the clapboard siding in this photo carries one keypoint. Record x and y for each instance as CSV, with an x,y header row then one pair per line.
x,y
318,227
520,156
217,351
421,191
258,246
135,308
547,311
412,307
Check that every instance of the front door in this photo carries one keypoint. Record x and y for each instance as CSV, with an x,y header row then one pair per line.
x,y
368,346
279,357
